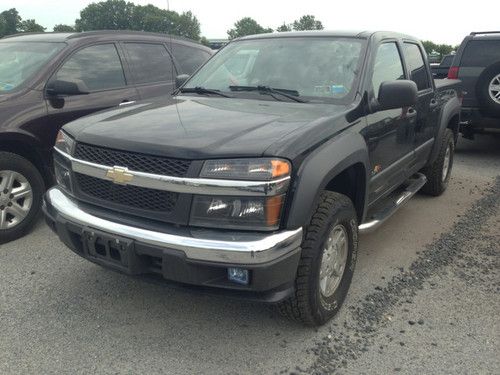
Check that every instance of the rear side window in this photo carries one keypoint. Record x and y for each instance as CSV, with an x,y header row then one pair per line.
x,y
150,62
418,70
447,61
388,65
481,53
99,67
190,58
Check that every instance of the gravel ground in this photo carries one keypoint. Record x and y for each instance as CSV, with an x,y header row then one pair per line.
x,y
424,299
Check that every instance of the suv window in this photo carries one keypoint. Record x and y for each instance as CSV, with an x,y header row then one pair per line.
x,y
150,62
481,53
447,61
388,65
99,67
418,70
190,58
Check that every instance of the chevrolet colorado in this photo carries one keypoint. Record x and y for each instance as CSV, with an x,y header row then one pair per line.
x,y
256,177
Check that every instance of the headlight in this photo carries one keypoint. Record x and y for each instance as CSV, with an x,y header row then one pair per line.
x,y
64,142
251,213
262,169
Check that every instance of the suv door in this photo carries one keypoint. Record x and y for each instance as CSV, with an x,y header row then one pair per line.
x,y
152,68
427,104
389,133
100,68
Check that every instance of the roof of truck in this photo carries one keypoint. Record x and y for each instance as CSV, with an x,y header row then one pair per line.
x,y
364,34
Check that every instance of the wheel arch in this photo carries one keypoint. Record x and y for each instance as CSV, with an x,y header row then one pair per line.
x,y
339,166
29,148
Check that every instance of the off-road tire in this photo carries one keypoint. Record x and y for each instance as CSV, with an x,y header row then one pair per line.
x,y
488,105
307,305
14,162
435,184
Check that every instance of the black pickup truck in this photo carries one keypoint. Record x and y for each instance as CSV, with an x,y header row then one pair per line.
x,y
257,176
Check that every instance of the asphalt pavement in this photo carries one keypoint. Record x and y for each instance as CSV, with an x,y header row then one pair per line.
x,y
425,298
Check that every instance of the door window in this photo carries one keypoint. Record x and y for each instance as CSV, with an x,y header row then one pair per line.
x,y
99,67
388,65
189,58
416,63
150,62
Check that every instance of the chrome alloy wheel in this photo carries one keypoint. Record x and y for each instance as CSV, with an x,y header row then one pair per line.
x,y
16,198
334,260
446,163
494,89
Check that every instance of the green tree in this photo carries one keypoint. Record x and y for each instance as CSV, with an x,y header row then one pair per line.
x,y
30,26
9,22
429,46
122,15
441,49
60,28
284,28
307,22
204,41
247,26
106,15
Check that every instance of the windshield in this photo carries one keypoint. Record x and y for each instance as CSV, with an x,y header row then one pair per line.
x,y
20,60
315,68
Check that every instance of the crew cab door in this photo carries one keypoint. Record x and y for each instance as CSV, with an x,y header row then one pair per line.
x,y
427,104
389,134
101,70
153,71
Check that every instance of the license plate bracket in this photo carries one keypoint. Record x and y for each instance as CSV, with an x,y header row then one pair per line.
x,y
107,248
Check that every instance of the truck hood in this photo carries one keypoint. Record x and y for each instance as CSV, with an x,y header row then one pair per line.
x,y
197,127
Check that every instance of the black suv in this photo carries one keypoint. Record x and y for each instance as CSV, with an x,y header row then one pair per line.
x,y
49,79
477,65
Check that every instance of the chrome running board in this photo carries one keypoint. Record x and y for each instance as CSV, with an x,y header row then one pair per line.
x,y
391,204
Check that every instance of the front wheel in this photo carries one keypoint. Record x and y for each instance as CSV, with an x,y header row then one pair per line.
x,y
21,190
326,266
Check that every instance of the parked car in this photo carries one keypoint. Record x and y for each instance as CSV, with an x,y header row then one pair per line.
x,y
440,70
477,65
49,79
257,181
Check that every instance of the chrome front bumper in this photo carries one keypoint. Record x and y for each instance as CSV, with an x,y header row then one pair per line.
x,y
200,245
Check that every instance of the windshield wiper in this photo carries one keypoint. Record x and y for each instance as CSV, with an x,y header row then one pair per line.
x,y
202,90
290,94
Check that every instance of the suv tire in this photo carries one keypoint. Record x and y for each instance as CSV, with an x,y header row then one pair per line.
x,y
438,173
329,250
21,190
488,104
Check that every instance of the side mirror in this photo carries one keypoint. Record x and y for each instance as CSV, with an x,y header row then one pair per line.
x,y
67,87
396,94
180,80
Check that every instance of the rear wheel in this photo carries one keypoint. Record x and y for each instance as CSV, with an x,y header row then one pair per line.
x,y
327,262
438,173
21,189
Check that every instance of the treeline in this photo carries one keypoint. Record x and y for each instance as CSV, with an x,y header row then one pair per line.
x,y
122,15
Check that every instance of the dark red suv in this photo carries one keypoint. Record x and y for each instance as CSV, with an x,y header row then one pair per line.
x,y
49,79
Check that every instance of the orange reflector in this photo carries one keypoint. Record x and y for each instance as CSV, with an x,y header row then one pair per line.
x,y
280,168
273,210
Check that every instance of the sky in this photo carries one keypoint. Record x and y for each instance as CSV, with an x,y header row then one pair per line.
x,y
442,21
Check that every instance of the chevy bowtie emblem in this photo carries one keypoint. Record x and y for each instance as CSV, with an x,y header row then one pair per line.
x,y
119,175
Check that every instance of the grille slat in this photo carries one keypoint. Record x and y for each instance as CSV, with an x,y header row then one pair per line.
x,y
133,161
127,195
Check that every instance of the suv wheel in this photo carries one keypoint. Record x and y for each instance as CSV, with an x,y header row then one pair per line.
x,y
21,189
327,261
488,89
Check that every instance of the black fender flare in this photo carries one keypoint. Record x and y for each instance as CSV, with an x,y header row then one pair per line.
x,y
450,109
319,168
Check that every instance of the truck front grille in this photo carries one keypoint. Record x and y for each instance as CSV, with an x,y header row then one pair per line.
x,y
127,196
133,161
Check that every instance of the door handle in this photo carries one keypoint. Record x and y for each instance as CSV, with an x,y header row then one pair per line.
x,y
433,104
126,102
